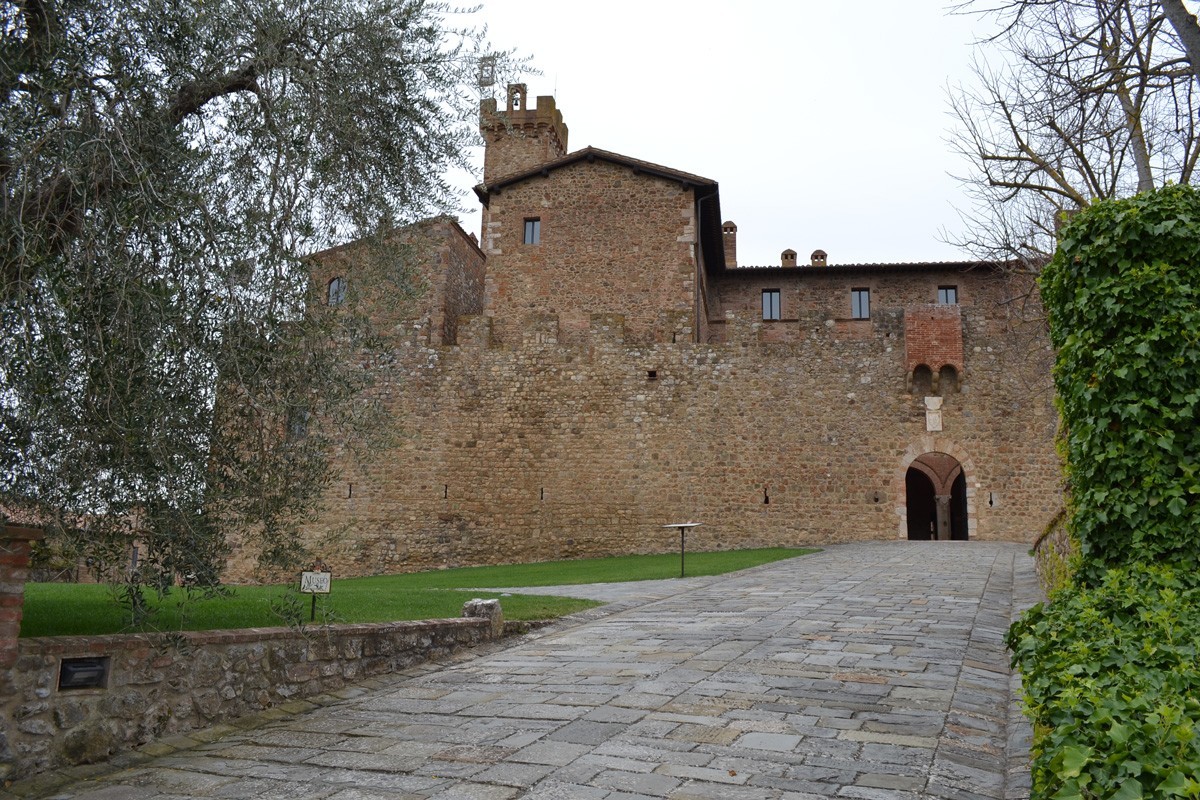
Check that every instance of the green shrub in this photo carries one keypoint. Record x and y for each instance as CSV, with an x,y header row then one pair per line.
x,y
1123,297
1110,667
1112,684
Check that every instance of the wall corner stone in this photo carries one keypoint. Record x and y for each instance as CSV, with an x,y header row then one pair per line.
x,y
16,543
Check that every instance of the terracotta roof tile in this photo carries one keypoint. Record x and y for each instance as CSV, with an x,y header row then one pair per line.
x,y
899,266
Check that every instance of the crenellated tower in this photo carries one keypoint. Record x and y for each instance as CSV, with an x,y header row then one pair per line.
x,y
518,138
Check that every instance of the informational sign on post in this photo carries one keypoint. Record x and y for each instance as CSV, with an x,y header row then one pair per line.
x,y
315,581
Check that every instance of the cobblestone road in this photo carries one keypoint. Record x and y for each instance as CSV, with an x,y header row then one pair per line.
x,y
865,671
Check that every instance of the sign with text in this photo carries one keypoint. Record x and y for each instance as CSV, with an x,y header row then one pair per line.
x,y
315,582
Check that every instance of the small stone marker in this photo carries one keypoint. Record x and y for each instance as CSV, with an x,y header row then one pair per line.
x,y
933,414
487,609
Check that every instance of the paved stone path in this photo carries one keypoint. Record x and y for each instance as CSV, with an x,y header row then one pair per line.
x,y
865,671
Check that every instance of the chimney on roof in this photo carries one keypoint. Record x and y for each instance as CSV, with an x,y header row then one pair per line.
x,y
818,258
729,236
788,258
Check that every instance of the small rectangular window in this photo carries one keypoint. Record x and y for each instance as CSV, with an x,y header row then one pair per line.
x,y
860,303
948,295
533,231
770,304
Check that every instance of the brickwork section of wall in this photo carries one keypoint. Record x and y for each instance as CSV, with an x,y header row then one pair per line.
x,y
548,450
15,547
157,687
707,304
612,241
933,336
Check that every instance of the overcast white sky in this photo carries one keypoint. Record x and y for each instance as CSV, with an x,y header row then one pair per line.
x,y
824,122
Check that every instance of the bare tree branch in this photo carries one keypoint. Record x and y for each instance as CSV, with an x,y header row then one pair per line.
x,y
1090,102
1188,30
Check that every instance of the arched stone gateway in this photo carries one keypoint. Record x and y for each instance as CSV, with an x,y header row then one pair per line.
x,y
936,484
935,494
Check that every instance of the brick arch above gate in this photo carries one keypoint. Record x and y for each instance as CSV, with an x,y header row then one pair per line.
x,y
934,443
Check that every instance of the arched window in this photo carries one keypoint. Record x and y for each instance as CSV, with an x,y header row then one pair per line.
x,y
516,97
948,379
336,291
922,381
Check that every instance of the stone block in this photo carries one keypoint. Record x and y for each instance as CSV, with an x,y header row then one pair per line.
x,y
489,610
91,743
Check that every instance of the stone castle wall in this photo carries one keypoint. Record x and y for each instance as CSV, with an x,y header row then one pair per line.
x,y
817,295
606,381
545,450
419,281
459,277
611,242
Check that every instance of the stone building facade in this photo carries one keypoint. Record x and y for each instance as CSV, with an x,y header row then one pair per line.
x,y
599,366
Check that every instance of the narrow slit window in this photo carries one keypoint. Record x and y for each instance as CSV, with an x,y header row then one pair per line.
x,y
948,295
533,231
860,303
770,304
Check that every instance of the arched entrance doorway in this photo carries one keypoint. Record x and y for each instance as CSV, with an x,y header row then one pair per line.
x,y
936,498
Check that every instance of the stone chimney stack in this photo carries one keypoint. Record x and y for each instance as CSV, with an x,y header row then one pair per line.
x,y
517,138
729,236
788,258
818,258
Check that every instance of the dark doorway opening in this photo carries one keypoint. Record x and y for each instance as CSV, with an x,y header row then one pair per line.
x,y
958,508
922,511
936,498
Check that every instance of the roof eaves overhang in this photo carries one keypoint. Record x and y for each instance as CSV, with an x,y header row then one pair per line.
x,y
869,269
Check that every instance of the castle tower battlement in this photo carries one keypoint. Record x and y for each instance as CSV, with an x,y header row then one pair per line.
x,y
519,138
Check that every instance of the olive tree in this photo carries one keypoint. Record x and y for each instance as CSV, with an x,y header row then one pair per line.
x,y
168,374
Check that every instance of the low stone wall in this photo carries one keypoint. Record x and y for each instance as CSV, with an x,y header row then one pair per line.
x,y
1054,553
156,686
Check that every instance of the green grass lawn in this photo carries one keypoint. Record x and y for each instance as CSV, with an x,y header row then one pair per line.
x,y
60,609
